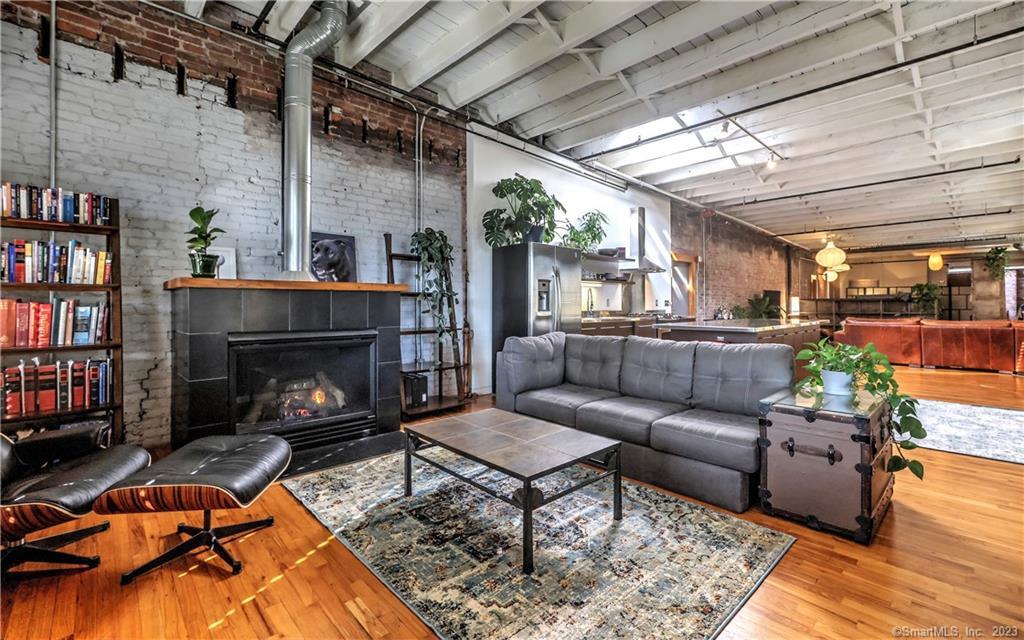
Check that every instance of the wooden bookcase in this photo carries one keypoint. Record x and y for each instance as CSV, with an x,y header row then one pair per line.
x,y
113,410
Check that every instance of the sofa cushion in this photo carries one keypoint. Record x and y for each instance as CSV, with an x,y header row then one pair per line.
x,y
733,377
594,361
535,362
726,439
658,369
559,404
624,418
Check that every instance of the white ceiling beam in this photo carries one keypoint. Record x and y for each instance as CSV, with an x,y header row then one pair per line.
x,y
372,28
284,16
458,43
593,19
853,44
692,22
195,8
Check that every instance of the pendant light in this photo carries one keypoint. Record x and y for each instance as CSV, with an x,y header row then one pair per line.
x,y
839,268
830,256
935,262
831,276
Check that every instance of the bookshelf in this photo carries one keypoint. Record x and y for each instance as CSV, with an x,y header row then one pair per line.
x,y
109,236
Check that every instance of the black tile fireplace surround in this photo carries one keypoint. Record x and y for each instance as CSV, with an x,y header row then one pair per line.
x,y
330,359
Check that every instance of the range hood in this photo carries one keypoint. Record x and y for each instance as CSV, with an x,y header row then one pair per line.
x,y
643,263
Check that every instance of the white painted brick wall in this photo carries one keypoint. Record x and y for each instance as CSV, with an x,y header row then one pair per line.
x,y
161,154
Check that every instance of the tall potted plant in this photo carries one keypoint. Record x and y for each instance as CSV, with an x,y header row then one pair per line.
x,y
202,236
843,368
926,298
529,216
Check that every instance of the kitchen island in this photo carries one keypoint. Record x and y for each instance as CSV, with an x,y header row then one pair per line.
x,y
795,332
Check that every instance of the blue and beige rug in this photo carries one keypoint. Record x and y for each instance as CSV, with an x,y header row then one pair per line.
x,y
986,432
669,569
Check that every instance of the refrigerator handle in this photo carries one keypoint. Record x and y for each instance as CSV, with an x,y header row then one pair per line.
x,y
556,304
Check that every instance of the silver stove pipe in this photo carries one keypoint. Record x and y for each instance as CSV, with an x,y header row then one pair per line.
x,y
297,160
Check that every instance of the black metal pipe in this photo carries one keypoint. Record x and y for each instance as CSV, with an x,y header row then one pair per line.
x,y
922,176
893,224
906,64
262,17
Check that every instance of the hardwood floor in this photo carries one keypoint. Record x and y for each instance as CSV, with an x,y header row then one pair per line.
x,y
950,553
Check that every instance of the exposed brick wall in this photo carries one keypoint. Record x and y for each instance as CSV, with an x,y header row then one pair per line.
x,y
739,261
161,153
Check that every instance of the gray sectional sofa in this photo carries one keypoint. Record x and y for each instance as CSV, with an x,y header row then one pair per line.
x,y
686,412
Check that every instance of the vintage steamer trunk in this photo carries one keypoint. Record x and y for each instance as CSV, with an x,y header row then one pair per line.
x,y
823,462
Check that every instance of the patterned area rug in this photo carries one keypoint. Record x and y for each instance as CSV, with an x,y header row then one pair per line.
x,y
669,569
985,432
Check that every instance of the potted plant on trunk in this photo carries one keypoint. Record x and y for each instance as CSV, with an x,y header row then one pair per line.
x,y
841,369
529,217
202,236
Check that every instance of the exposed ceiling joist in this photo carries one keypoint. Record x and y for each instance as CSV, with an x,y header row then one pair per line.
x,y
462,40
372,28
195,8
577,28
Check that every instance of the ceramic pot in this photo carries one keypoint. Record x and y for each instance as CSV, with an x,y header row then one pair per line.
x,y
836,383
535,234
203,265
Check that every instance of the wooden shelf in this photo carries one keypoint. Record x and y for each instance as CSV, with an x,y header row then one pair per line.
x,y
57,286
294,285
426,366
597,257
596,281
435,403
57,415
102,346
63,227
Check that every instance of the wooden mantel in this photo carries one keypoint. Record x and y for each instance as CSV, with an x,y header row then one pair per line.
x,y
300,285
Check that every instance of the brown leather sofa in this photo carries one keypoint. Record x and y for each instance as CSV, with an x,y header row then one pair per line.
x,y
898,338
989,345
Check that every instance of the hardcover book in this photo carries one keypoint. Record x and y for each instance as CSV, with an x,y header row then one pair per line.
x,y
83,319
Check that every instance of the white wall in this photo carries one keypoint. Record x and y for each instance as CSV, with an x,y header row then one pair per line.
x,y
488,162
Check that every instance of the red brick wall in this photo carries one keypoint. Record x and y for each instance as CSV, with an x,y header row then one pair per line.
x,y
157,38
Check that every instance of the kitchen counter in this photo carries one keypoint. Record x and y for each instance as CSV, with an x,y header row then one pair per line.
x,y
795,333
740,325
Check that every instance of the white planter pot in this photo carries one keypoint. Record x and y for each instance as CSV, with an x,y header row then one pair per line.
x,y
836,383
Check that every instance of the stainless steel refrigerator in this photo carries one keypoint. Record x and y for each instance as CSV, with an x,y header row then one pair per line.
x,y
536,289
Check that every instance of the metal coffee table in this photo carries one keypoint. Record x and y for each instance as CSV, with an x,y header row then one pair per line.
x,y
521,447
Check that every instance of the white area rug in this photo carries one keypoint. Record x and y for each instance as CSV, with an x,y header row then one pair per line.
x,y
986,432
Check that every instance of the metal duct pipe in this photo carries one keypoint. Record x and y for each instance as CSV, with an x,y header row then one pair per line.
x,y
298,145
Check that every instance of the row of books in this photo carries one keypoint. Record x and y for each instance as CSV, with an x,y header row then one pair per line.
x,y
52,262
33,388
63,321
54,204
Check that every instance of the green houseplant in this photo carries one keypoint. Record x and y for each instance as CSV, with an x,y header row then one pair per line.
x,y
202,236
529,216
995,262
866,368
435,252
926,299
588,234
760,307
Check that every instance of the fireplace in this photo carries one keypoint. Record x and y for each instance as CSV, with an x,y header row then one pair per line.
x,y
310,388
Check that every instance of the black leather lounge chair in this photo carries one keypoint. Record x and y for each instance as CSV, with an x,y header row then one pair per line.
x,y
216,472
52,477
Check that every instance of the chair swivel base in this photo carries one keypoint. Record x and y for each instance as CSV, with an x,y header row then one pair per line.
x,y
205,536
46,550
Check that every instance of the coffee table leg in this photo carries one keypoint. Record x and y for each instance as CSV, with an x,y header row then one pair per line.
x,y
408,464
527,527
617,498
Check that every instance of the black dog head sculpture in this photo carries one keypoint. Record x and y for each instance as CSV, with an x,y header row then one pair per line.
x,y
333,260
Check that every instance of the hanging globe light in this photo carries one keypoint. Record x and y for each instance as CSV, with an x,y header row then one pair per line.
x,y
839,268
935,262
830,256
831,276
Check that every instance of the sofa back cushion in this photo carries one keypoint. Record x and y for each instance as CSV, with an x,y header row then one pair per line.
x,y
535,362
733,377
594,361
658,369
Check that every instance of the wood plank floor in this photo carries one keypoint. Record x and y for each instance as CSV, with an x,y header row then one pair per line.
x,y
951,552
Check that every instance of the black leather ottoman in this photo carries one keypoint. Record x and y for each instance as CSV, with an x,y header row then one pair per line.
x,y
216,472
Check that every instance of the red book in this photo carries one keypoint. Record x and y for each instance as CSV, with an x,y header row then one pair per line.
x,y
22,313
8,322
12,392
78,385
106,270
46,394
44,325
33,324
19,261
63,388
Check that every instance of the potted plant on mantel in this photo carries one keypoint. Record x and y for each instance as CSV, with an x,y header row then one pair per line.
x,y
529,217
202,236
841,369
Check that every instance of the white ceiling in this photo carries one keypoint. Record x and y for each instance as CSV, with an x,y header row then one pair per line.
x,y
594,80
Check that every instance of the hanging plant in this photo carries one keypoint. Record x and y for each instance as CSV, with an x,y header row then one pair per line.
x,y
926,297
435,253
530,209
588,234
995,262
